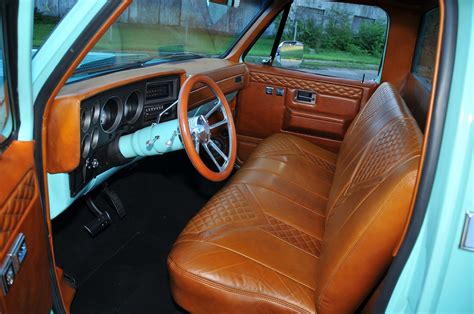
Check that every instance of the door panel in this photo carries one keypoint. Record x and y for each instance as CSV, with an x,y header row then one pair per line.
x,y
20,213
324,122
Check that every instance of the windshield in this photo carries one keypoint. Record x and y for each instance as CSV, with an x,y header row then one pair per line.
x,y
151,32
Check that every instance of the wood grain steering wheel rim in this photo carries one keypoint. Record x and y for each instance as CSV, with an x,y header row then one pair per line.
x,y
189,137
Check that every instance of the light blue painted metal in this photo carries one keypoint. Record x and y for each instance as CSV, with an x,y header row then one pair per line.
x,y
61,39
58,184
25,42
60,197
155,139
439,275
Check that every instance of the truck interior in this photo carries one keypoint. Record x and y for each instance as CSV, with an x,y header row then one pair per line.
x,y
246,179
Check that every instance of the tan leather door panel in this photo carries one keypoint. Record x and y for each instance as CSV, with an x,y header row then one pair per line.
x,y
324,123
20,212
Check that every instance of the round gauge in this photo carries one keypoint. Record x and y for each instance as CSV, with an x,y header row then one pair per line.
x,y
133,107
95,113
111,114
86,119
95,138
86,146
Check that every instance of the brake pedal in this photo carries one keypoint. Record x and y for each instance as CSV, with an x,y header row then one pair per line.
x,y
100,222
115,201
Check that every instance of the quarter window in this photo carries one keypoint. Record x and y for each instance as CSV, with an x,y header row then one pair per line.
x,y
336,39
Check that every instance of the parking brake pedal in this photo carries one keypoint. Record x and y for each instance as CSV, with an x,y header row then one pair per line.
x,y
100,223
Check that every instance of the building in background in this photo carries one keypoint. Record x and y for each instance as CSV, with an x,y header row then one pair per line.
x,y
193,13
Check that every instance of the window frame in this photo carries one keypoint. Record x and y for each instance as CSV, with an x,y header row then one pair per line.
x,y
277,41
9,21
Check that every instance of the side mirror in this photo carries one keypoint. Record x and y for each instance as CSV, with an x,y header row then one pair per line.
x,y
229,3
289,54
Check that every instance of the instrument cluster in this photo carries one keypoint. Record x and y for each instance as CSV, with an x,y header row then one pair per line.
x,y
107,116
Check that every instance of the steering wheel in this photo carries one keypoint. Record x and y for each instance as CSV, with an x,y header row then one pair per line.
x,y
197,131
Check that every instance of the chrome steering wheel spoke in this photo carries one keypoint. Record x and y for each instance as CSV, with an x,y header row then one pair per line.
x,y
217,105
196,143
209,153
218,150
218,124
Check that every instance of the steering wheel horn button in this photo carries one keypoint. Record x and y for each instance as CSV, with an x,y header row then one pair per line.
x,y
201,129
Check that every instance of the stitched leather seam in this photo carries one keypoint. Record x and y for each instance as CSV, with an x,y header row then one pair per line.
x,y
363,153
361,130
353,247
261,227
283,196
375,188
304,152
320,87
293,226
216,285
288,181
291,244
286,163
249,258
346,186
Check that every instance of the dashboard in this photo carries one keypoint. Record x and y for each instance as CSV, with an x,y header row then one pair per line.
x,y
119,111
88,118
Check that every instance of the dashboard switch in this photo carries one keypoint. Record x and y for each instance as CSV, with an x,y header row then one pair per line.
x,y
269,90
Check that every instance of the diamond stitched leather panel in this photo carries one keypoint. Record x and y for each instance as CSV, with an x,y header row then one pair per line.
x,y
227,207
316,86
292,235
12,210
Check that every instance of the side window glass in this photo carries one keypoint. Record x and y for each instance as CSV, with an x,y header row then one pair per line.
x,y
6,119
335,39
425,53
261,51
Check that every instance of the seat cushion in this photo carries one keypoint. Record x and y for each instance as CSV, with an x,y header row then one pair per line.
x,y
256,243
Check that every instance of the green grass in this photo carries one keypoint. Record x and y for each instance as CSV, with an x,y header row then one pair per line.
x,y
145,38
338,64
41,32
263,48
149,39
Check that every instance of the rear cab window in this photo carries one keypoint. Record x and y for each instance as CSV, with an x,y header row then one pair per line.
x,y
337,39
425,52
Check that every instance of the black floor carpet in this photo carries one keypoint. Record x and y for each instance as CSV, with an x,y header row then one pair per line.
x,y
123,269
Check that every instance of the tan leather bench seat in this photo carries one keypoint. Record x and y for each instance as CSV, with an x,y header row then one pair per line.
x,y
300,229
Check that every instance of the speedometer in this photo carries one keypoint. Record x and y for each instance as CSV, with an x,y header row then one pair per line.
x,y
111,114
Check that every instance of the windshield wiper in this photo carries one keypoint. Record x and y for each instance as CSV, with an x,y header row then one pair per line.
x,y
122,62
117,61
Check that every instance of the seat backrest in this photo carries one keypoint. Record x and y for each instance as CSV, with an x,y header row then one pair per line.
x,y
369,202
